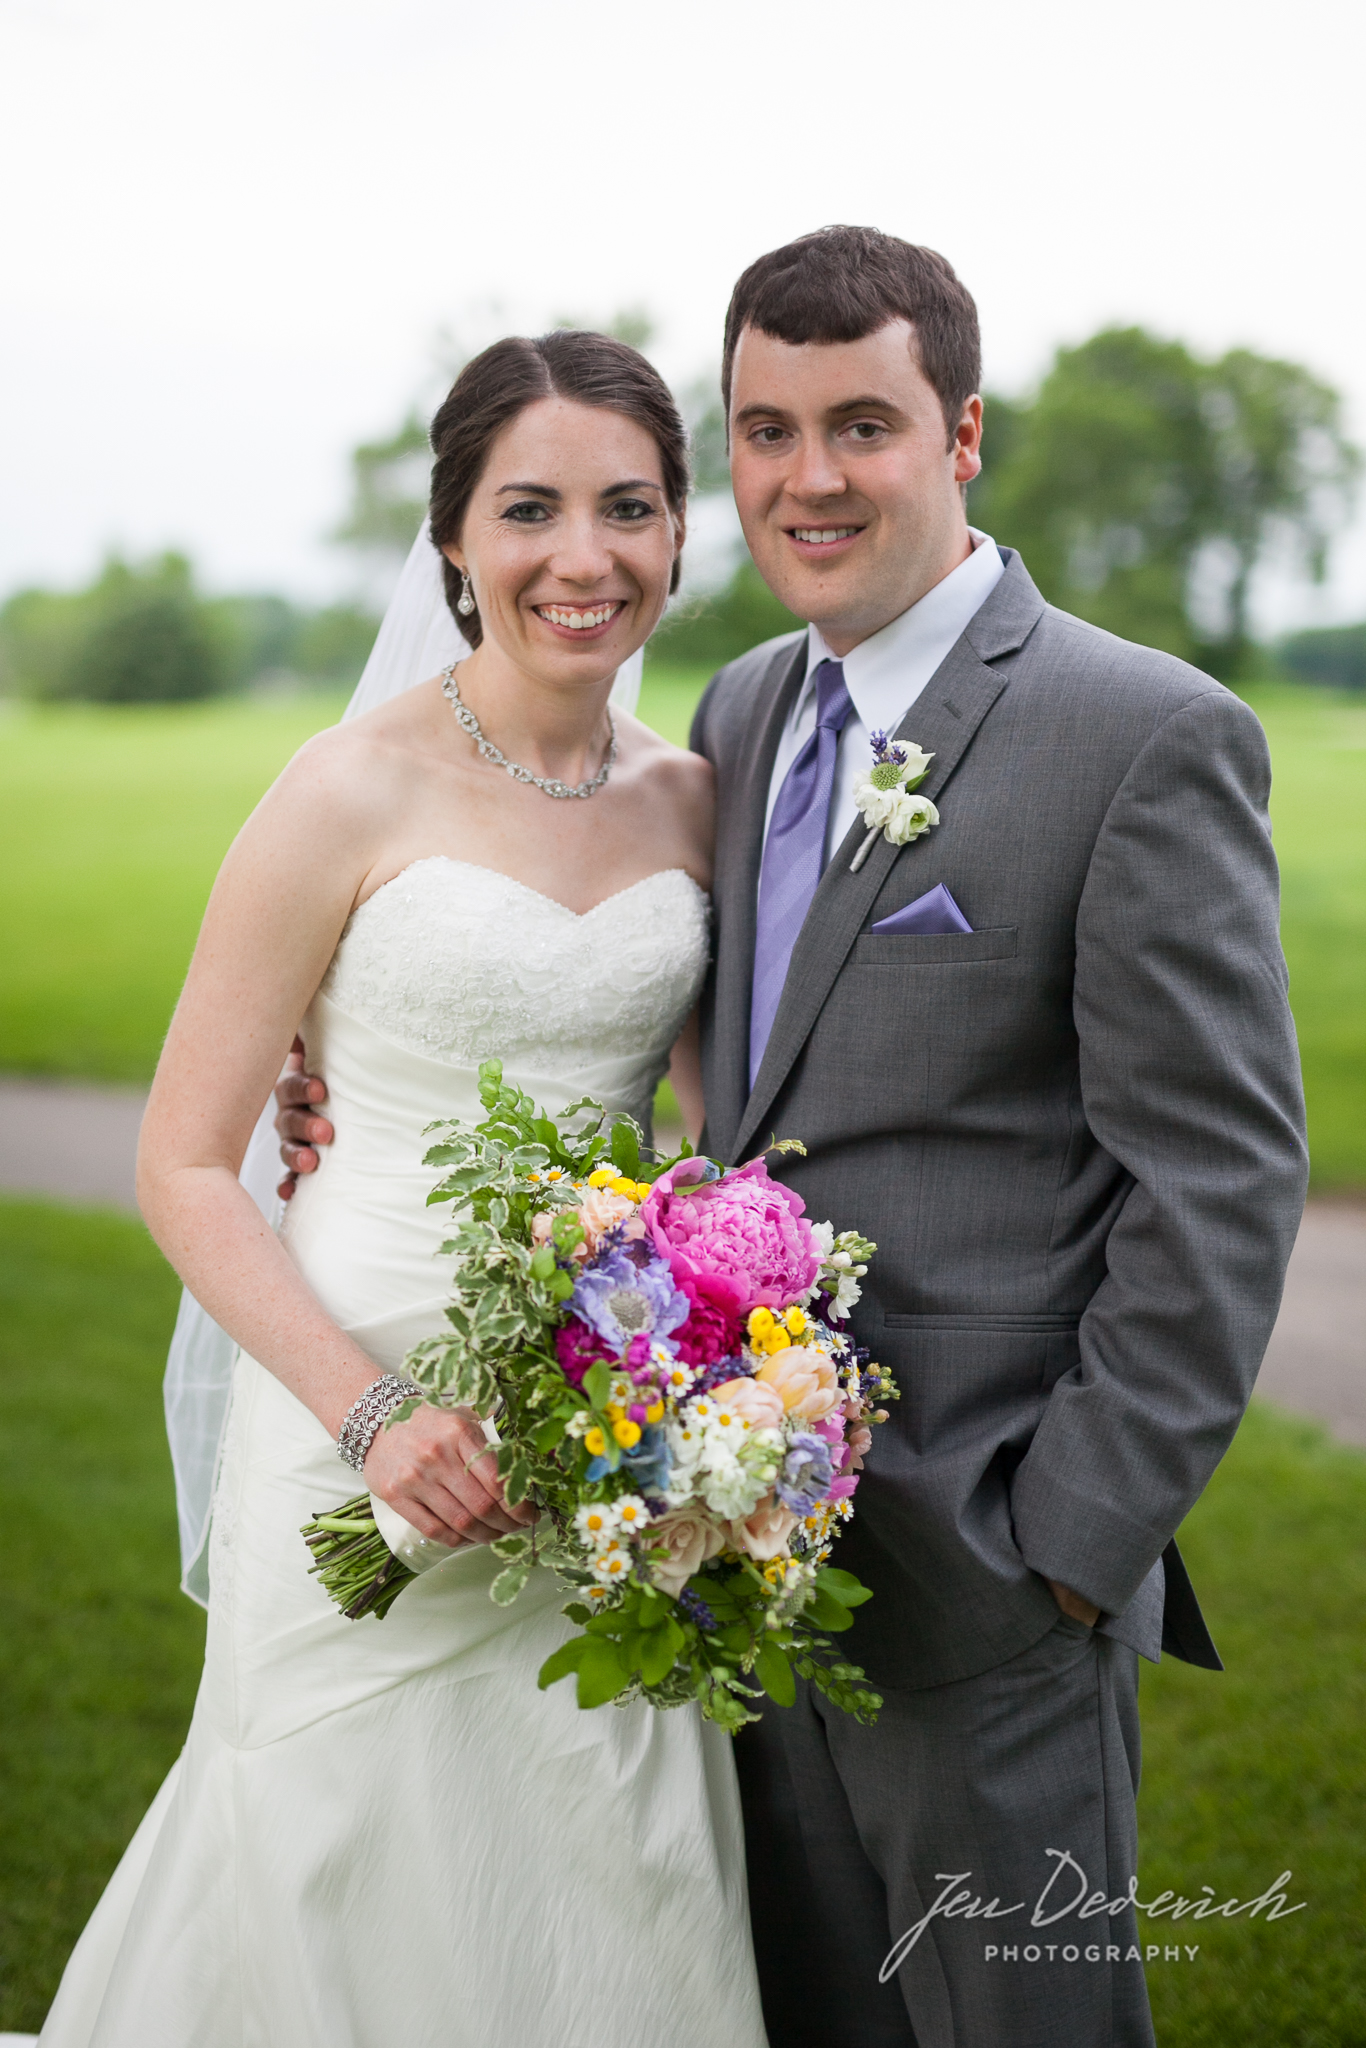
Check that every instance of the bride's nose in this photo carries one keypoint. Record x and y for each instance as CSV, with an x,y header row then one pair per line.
x,y
581,555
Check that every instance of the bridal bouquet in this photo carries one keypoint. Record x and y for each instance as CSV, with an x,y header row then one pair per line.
x,y
660,1342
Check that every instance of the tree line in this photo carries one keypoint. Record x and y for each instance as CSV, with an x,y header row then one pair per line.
x,y
1144,485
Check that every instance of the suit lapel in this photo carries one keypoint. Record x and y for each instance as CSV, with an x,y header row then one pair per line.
x,y
739,853
943,721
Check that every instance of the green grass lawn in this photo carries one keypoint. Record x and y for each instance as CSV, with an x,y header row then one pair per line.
x,y
1246,1774
113,821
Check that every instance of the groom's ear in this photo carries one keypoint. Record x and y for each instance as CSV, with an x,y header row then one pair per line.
x,y
966,442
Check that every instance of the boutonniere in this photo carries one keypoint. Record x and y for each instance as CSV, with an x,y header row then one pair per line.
x,y
885,796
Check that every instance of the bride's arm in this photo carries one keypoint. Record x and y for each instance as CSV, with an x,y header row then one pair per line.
x,y
261,953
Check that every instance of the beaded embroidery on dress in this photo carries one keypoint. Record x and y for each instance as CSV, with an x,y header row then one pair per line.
x,y
382,1831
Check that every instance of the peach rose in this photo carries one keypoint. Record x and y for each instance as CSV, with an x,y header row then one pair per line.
x,y
804,1380
690,1539
597,1212
764,1533
758,1404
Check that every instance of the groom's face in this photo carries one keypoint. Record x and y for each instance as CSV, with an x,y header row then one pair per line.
x,y
847,478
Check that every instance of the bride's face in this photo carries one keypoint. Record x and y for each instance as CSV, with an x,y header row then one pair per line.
x,y
569,541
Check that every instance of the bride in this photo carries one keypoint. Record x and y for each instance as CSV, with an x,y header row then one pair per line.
x,y
382,1832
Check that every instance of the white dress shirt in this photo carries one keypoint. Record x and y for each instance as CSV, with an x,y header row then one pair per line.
x,y
884,675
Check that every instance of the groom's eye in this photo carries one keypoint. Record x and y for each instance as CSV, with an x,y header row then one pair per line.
x,y
865,431
767,436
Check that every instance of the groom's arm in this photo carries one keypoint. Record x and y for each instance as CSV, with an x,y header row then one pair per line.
x,y
1190,1080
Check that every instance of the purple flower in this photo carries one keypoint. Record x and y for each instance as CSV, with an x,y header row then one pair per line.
x,y
807,1475
885,750
621,1300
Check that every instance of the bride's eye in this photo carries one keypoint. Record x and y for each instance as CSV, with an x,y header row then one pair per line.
x,y
526,512
631,510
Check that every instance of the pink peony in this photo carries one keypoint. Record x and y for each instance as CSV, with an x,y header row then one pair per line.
x,y
713,1327
764,1533
577,1348
744,1228
690,1539
805,1381
759,1405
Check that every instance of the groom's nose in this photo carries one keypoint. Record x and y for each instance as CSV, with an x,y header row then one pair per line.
x,y
816,471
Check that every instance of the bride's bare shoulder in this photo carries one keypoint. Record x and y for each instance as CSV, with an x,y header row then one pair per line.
x,y
365,764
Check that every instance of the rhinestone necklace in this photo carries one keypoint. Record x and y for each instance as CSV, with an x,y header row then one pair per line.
x,y
548,784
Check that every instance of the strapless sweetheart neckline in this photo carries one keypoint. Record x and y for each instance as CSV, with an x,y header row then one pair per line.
x,y
477,868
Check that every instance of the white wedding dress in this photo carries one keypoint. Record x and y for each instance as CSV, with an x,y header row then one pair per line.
x,y
380,1834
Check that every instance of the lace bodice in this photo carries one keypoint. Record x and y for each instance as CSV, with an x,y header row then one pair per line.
x,y
463,964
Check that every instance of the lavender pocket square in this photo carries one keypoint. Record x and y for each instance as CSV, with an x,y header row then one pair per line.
x,y
934,912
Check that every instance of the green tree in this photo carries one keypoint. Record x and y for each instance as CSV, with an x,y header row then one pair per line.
x,y
1143,486
711,631
139,634
388,490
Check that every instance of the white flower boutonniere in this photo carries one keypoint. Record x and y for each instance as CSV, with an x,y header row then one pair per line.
x,y
885,796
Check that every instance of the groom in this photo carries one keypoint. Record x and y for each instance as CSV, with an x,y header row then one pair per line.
x,y
1042,1055
1070,1116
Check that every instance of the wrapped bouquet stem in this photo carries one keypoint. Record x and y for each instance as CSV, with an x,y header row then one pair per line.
x,y
663,1344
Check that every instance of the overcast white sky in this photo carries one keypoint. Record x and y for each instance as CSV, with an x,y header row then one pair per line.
x,y
232,232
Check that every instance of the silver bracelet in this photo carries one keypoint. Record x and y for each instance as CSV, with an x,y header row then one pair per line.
x,y
361,1422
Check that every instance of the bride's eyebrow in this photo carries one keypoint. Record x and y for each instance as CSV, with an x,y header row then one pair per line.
x,y
537,490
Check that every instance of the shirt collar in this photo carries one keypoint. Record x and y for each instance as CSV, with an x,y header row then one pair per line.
x,y
885,672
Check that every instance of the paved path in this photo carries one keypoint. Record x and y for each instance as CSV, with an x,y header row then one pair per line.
x,y
76,1143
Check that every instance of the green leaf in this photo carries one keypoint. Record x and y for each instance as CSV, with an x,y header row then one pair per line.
x,y
577,1612
657,1655
509,1584
561,1286
561,1662
597,1383
827,1612
774,1674
547,1434
543,1262
511,1547
849,1591
602,1672
626,1150
518,1484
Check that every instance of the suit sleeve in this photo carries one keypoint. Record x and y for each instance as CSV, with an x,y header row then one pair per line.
x,y
698,738
1190,1080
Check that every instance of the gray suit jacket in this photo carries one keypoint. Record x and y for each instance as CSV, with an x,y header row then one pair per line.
x,y
1075,1133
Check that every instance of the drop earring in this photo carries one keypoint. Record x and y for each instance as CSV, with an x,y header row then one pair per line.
x,y
464,604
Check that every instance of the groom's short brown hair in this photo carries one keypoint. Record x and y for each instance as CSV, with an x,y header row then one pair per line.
x,y
841,284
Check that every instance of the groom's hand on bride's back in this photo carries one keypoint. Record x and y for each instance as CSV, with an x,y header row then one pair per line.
x,y
301,1130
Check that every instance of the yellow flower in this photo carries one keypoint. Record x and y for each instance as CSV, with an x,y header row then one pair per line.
x,y
795,1322
595,1442
626,1433
615,1411
603,1178
655,1412
761,1321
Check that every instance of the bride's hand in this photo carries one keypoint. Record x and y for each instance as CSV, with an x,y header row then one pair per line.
x,y
441,1474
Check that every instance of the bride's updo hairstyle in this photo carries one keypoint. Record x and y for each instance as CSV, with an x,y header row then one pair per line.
x,y
489,393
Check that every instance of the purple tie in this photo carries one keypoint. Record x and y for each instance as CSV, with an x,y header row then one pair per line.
x,y
794,855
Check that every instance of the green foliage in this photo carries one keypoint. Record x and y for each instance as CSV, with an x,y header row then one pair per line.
x,y
145,634
1331,655
715,630
389,490
137,635
1143,485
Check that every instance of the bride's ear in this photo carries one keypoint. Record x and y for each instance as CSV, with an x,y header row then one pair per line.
x,y
453,555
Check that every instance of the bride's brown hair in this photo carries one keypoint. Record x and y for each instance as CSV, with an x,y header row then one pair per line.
x,y
591,369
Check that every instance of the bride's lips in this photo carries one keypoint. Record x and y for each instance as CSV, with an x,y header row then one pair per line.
x,y
823,543
581,621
